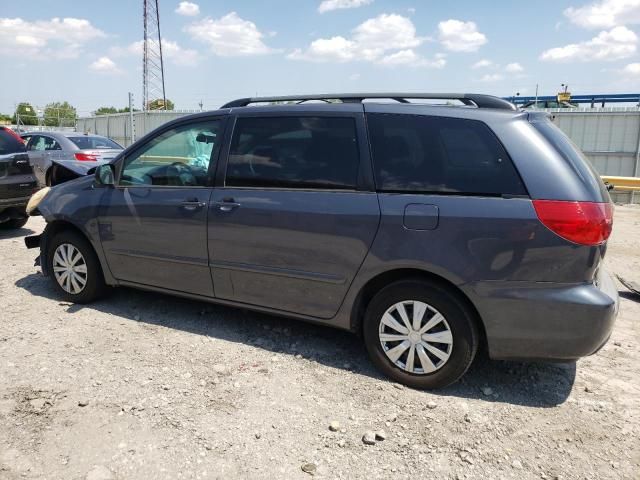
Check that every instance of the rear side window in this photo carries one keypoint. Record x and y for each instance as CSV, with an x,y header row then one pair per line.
x,y
294,152
40,143
85,143
10,143
413,153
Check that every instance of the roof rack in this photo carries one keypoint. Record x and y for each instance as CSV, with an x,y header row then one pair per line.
x,y
468,99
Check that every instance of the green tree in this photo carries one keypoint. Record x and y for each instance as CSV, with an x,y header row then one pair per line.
x,y
159,104
26,114
110,110
5,119
105,111
59,114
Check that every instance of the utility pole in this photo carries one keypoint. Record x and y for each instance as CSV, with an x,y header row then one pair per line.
x,y
132,127
201,104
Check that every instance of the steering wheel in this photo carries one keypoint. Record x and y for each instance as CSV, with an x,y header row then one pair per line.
x,y
184,173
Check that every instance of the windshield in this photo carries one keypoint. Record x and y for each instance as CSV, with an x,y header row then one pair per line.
x,y
86,143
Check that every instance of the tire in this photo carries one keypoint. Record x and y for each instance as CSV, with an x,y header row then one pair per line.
x,y
14,223
457,332
94,286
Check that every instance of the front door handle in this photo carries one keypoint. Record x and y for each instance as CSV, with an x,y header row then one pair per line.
x,y
192,204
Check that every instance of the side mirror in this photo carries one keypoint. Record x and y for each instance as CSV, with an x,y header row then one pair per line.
x,y
105,175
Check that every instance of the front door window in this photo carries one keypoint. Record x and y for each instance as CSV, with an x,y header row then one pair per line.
x,y
180,157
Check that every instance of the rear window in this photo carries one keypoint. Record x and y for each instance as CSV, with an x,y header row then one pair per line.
x,y
572,154
87,143
413,153
9,143
294,152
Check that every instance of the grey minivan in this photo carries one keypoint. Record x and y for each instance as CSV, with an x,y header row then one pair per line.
x,y
431,230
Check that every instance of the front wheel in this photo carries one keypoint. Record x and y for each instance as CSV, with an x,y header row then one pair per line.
x,y
420,334
74,268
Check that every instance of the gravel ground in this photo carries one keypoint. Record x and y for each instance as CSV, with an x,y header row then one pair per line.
x,y
142,385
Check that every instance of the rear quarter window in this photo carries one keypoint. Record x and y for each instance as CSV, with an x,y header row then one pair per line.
x,y
428,154
89,143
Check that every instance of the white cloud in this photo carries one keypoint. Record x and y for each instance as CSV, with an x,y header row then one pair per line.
x,y
329,5
617,43
514,68
459,36
170,50
188,9
411,58
388,39
56,38
484,63
105,65
230,36
632,70
179,55
492,77
605,13
354,76
327,49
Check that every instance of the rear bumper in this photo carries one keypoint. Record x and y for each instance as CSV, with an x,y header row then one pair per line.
x,y
546,321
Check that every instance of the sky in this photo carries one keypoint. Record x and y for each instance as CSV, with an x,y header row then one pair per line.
x,y
90,53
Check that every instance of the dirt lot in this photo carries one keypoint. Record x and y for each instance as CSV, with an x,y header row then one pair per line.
x,y
142,385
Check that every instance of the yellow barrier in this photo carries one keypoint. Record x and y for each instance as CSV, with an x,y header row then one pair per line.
x,y
629,184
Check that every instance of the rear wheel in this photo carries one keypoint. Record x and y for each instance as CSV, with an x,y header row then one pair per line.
x,y
420,334
74,268
14,223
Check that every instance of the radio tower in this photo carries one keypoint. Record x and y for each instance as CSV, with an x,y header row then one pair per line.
x,y
153,66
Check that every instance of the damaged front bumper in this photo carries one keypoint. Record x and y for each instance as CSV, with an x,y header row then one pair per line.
x,y
39,241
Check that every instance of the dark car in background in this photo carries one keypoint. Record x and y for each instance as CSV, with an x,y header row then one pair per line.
x,y
60,156
430,230
17,182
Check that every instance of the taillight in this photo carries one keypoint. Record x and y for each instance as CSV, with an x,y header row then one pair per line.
x,y
85,157
584,223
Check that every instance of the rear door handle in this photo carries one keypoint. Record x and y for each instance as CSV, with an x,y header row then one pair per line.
x,y
226,205
192,204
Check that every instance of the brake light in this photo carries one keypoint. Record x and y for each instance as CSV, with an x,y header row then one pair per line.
x,y
584,223
85,157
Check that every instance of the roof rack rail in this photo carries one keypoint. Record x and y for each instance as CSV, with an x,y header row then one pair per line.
x,y
469,99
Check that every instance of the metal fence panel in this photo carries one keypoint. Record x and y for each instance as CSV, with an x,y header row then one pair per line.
x,y
117,125
609,137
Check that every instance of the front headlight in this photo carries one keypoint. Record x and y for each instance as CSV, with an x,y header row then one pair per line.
x,y
36,198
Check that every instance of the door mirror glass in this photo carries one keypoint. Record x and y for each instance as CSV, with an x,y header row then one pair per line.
x,y
104,175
